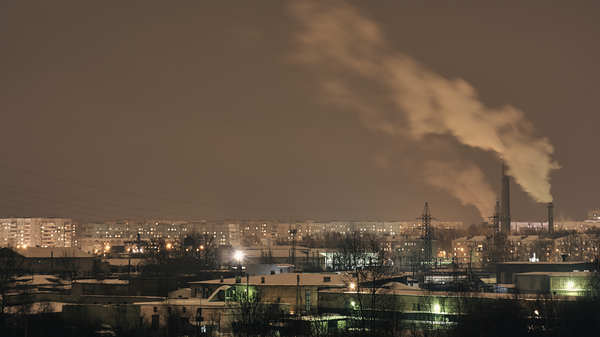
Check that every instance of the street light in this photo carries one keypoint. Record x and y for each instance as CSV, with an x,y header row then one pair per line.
x,y
238,255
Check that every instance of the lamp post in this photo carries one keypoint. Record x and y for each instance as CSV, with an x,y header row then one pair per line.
x,y
238,255
199,319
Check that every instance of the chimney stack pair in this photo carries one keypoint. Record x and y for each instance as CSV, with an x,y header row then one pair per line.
x,y
504,216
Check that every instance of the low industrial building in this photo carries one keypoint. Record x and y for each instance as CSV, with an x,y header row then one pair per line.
x,y
299,256
298,290
505,271
554,283
56,260
268,269
106,287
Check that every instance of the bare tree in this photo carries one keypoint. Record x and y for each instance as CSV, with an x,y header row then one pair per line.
x,y
70,265
252,315
369,263
11,266
497,249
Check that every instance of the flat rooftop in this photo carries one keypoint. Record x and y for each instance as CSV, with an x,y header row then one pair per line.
x,y
542,263
105,281
448,294
558,273
287,279
53,252
202,302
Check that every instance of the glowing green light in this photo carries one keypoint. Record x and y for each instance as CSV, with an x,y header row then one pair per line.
x,y
437,308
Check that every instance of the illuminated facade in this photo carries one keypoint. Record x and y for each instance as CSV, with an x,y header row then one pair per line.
x,y
467,250
594,215
37,232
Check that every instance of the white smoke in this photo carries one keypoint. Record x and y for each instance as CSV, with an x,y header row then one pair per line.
x,y
465,181
348,50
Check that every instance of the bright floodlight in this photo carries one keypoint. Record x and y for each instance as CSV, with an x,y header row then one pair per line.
x,y
570,285
238,256
352,286
437,308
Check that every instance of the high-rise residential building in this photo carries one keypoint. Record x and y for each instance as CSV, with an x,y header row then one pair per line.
x,y
37,232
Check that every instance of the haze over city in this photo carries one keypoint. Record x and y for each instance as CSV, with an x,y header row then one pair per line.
x,y
215,111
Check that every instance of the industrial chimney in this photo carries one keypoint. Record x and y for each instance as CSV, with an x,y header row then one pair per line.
x,y
505,202
550,217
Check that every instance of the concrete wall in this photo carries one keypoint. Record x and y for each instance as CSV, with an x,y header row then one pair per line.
x,y
346,303
267,269
272,294
78,266
218,316
125,317
153,286
82,299
537,284
108,289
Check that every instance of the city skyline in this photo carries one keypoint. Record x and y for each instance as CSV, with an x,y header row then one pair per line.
x,y
299,168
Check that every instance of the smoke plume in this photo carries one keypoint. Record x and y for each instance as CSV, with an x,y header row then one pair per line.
x,y
351,57
465,181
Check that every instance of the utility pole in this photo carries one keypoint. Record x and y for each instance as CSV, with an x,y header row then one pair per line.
x,y
496,231
293,232
297,312
496,218
550,218
505,219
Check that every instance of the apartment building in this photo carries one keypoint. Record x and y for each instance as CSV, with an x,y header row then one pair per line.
x,y
469,249
37,232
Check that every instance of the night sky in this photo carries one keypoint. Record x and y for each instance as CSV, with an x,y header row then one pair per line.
x,y
218,109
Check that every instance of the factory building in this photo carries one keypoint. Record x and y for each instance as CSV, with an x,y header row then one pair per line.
x,y
507,271
554,283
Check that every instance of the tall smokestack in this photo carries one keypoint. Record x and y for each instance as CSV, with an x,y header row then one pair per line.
x,y
550,217
505,202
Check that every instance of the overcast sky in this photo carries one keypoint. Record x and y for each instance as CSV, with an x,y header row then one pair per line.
x,y
202,109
